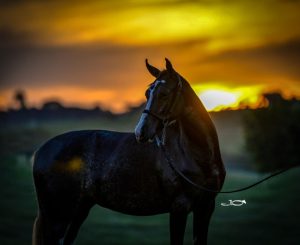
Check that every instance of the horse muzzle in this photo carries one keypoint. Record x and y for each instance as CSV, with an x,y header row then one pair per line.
x,y
146,129
141,138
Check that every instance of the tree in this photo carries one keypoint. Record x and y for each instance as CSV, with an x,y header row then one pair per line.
x,y
273,133
20,97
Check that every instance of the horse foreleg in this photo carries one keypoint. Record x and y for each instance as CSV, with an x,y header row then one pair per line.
x,y
177,227
201,217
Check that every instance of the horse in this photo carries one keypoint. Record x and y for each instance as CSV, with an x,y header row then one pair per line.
x,y
128,172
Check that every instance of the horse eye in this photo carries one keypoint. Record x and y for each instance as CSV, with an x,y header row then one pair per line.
x,y
163,95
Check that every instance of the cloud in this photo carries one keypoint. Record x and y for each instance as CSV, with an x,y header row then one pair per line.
x,y
226,23
13,38
268,65
12,46
100,66
115,69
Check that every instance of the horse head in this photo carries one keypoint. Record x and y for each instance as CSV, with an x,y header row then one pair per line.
x,y
164,102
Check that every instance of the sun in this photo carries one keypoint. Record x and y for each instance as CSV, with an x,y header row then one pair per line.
x,y
218,99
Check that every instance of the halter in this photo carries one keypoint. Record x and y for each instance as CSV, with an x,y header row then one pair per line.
x,y
166,120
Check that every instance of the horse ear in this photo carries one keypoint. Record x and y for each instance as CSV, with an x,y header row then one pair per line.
x,y
153,70
169,66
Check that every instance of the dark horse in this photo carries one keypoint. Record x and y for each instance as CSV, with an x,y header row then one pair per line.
x,y
128,172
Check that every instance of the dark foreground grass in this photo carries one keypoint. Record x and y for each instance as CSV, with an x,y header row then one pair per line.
x,y
271,215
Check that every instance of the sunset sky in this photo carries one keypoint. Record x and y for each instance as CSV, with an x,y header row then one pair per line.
x,y
89,53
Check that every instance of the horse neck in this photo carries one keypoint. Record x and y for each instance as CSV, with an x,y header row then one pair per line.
x,y
197,132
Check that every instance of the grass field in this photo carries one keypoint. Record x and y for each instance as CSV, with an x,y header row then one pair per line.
x,y
271,215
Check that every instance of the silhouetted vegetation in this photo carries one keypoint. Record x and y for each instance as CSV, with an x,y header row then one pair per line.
x,y
54,111
20,98
24,129
273,133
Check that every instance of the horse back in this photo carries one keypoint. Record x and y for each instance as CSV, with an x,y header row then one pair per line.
x,y
109,167
68,152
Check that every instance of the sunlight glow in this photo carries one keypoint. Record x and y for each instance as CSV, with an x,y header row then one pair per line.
x,y
216,97
212,99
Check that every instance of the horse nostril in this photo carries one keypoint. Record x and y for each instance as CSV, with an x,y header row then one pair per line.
x,y
138,138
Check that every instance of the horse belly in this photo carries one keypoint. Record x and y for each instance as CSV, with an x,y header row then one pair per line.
x,y
134,194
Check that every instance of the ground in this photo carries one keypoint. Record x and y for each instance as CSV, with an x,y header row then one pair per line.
x,y
271,215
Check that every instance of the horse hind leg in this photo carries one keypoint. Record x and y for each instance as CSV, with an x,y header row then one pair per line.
x,y
202,214
81,214
37,236
47,232
177,227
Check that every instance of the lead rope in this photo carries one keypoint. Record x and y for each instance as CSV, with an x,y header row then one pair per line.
x,y
161,145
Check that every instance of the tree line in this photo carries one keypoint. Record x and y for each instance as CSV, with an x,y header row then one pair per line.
x,y
273,133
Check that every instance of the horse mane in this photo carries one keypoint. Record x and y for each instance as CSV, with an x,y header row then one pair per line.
x,y
200,123
193,101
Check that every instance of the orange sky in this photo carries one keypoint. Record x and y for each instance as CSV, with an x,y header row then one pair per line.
x,y
92,53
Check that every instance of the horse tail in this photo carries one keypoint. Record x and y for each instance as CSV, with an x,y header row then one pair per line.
x,y
37,236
